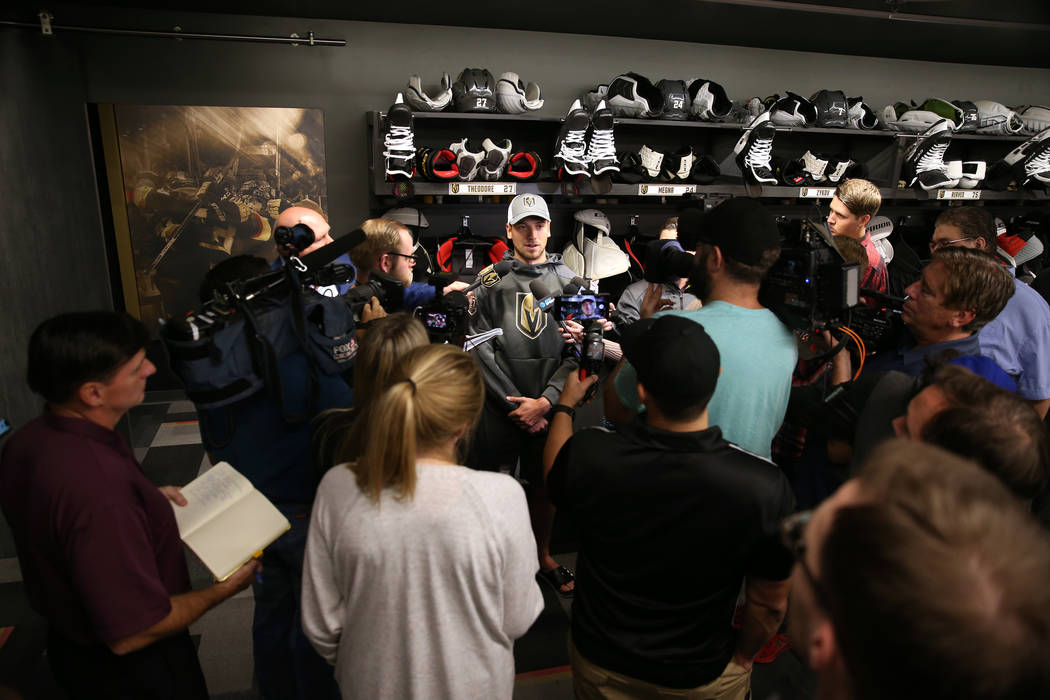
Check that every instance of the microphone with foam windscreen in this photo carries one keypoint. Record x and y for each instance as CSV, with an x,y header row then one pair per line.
x,y
544,293
326,254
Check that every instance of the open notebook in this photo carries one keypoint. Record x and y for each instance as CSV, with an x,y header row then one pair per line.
x,y
226,520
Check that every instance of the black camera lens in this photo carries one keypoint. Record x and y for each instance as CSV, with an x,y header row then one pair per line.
x,y
297,238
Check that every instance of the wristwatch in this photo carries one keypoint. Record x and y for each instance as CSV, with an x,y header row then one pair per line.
x,y
562,408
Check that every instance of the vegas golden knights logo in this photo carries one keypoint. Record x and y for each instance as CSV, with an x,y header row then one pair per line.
x,y
531,319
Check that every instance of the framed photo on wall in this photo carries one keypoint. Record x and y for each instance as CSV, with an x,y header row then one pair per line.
x,y
191,186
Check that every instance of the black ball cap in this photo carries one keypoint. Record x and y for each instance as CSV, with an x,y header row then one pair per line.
x,y
741,227
673,357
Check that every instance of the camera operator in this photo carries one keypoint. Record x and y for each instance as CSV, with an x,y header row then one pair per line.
x,y
960,292
388,248
737,243
630,301
523,368
253,435
645,619
314,220
1018,339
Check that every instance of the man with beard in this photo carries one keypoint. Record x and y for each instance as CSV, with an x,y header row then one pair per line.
x,y
388,248
737,244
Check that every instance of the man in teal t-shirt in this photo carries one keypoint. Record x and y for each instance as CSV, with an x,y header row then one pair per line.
x,y
738,242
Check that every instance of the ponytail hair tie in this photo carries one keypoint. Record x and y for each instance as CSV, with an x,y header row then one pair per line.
x,y
413,385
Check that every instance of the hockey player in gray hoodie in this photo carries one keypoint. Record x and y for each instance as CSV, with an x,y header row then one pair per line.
x,y
523,369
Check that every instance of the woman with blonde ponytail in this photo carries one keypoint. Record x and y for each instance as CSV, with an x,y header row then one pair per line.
x,y
378,357
419,573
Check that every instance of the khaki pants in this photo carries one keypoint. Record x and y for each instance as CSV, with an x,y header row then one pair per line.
x,y
592,682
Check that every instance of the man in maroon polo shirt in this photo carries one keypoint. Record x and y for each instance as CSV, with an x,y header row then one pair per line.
x,y
97,543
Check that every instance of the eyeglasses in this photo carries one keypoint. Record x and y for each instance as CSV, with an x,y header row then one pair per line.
x,y
411,258
792,534
935,244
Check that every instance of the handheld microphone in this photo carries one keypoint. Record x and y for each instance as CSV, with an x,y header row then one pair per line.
x,y
485,276
544,293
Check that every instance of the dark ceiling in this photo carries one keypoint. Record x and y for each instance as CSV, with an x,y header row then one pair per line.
x,y
1007,32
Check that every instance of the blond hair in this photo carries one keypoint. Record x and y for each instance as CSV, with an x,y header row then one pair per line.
x,y
860,197
435,394
387,341
381,236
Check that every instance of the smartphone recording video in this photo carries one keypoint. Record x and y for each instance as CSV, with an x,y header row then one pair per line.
x,y
582,307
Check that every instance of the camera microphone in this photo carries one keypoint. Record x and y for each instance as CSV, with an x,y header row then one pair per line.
x,y
326,254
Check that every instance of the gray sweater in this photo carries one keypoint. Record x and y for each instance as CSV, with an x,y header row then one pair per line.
x,y
421,598
631,298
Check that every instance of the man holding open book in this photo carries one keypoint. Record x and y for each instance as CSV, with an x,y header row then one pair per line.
x,y
97,543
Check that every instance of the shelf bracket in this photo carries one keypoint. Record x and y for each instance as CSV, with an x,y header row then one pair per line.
x,y
45,22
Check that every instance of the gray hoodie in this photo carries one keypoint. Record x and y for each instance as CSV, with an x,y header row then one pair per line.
x,y
527,359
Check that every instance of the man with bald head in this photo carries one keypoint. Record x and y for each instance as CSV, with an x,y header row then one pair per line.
x,y
314,220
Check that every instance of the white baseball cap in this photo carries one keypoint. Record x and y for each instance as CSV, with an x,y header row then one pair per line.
x,y
525,205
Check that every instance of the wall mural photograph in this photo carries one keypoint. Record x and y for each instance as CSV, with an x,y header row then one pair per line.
x,y
198,185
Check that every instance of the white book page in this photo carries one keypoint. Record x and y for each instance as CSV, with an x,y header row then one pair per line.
x,y
234,535
208,494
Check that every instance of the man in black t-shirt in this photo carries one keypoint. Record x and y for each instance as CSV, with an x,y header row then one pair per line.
x,y
672,519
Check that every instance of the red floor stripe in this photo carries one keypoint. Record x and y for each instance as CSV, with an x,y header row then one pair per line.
x,y
542,672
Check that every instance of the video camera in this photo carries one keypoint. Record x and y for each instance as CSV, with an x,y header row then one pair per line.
x,y
576,303
666,261
811,287
230,348
294,239
389,291
447,317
